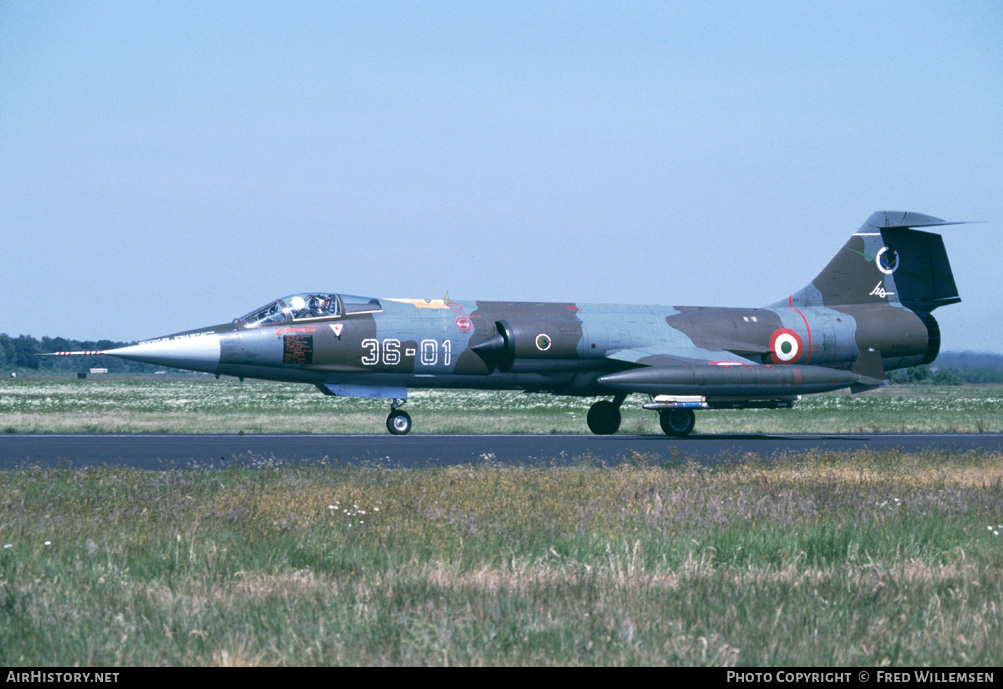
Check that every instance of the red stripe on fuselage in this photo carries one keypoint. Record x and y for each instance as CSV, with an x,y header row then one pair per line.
x,y
790,302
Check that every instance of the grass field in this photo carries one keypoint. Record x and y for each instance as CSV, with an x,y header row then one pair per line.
x,y
862,559
817,559
206,405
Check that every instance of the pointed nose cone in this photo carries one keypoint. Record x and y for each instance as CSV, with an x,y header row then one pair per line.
x,y
196,352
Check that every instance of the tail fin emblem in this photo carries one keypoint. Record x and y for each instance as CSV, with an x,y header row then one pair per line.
x,y
879,291
887,260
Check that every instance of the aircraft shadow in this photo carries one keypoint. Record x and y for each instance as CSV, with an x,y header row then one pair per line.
x,y
709,437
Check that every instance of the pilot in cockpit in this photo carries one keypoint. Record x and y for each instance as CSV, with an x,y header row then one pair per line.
x,y
312,306
298,307
319,305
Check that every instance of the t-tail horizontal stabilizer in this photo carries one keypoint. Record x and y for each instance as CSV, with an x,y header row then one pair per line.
x,y
887,261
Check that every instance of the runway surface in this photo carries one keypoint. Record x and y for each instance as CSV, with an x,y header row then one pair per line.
x,y
183,451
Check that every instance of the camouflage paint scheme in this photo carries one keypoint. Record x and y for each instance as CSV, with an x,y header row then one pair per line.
x,y
866,313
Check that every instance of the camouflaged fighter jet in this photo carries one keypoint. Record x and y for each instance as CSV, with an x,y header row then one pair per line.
x,y
867,312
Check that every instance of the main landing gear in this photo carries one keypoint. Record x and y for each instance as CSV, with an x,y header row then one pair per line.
x,y
604,416
677,422
399,421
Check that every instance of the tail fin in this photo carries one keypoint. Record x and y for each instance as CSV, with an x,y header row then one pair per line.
x,y
887,260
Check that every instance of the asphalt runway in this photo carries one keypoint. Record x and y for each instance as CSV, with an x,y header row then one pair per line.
x,y
215,451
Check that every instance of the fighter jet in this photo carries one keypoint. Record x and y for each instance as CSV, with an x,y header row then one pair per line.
x,y
867,312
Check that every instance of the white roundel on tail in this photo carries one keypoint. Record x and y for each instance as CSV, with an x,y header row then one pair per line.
x,y
887,260
785,346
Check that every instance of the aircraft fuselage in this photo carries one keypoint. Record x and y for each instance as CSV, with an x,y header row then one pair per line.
x,y
867,312
553,347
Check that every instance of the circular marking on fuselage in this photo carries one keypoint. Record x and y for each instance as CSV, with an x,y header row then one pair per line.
x,y
574,308
454,306
543,342
785,346
887,260
463,324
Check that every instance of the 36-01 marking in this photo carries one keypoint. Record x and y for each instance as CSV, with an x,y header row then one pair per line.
x,y
388,352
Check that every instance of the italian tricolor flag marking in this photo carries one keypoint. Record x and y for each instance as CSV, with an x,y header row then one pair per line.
x,y
785,346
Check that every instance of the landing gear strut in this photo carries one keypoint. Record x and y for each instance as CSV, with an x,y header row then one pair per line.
x,y
399,421
604,416
677,422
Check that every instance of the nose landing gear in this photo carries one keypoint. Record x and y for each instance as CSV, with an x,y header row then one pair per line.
x,y
398,421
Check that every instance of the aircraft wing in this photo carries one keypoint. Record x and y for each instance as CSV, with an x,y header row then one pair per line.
x,y
695,371
689,356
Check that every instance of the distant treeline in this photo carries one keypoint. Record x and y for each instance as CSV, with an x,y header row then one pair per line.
x,y
950,368
19,353
954,368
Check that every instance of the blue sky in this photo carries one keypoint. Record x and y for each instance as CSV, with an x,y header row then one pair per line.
x,y
170,165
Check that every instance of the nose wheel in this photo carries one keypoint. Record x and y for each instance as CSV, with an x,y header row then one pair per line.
x,y
399,421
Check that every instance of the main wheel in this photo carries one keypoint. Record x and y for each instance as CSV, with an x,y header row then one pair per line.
x,y
604,418
677,422
399,422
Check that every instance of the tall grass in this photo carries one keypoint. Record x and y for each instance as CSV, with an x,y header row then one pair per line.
x,y
821,559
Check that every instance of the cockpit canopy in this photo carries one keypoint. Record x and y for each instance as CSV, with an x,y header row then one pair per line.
x,y
309,306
